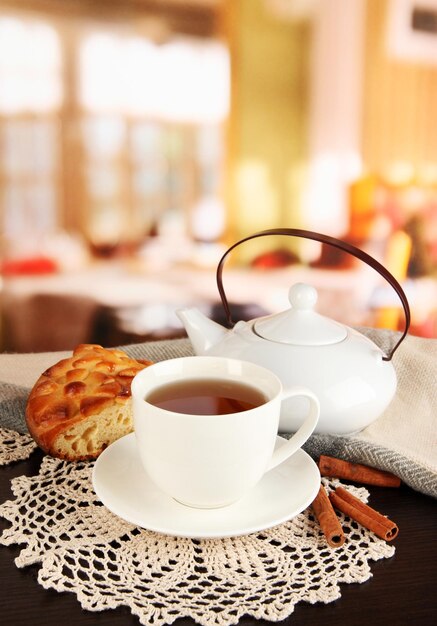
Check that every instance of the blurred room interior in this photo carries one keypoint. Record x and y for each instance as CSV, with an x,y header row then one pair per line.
x,y
139,139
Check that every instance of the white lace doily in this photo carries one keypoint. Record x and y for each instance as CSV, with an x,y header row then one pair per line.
x,y
83,548
14,446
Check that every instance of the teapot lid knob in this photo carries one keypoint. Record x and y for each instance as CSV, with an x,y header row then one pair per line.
x,y
302,296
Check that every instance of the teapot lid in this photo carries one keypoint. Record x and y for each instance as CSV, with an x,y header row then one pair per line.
x,y
301,325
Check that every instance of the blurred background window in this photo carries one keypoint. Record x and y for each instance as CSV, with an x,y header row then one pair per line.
x,y
31,92
30,67
105,131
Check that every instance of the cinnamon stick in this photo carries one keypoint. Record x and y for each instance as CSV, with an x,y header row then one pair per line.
x,y
363,514
328,520
336,468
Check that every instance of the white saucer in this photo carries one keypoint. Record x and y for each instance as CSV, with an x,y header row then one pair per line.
x,y
123,486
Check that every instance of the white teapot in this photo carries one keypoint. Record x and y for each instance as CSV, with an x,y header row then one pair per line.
x,y
350,374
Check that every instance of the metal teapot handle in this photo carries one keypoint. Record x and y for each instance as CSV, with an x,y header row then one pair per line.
x,y
336,243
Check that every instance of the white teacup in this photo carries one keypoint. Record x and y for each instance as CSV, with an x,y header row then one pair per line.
x,y
210,461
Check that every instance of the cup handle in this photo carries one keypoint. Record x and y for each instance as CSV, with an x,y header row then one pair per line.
x,y
305,431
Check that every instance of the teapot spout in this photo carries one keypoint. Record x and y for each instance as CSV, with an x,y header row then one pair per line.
x,y
203,332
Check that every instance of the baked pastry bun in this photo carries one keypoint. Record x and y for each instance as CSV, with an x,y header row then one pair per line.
x,y
80,405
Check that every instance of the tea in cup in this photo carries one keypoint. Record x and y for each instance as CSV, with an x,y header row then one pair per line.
x,y
206,427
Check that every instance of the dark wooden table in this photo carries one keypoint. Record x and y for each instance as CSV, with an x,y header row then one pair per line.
x,y
402,591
